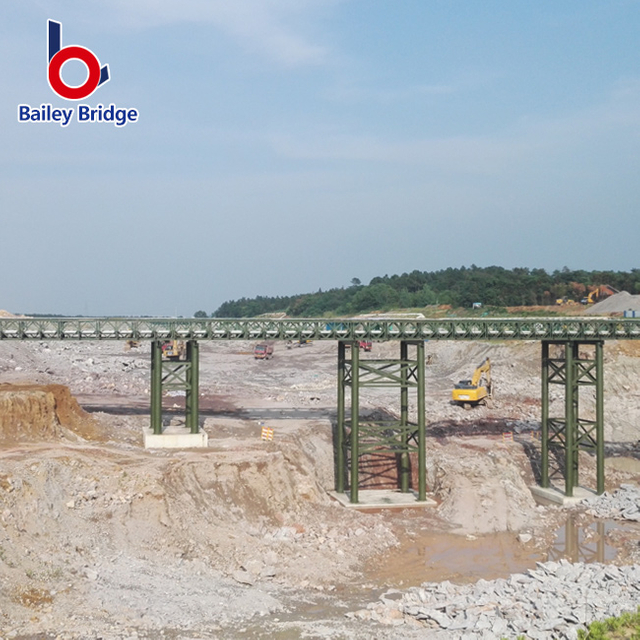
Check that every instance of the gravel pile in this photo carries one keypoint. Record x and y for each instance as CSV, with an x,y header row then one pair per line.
x,y
554,600
617,303
622,504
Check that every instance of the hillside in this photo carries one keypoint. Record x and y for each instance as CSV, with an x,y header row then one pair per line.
x,y
493,287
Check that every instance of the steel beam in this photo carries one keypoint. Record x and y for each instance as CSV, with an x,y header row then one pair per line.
x,y
544,453
341,470
405,467
422,440
156,387
192,387
600,418
355,422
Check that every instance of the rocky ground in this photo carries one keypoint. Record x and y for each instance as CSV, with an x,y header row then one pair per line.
x,y
100,538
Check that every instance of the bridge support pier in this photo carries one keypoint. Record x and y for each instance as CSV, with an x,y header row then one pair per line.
x,y
356,438
175,375
575,365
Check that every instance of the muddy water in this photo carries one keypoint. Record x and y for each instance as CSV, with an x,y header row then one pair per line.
x,y
443,556
433,557
584,543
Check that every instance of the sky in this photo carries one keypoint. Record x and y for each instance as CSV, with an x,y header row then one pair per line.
x,y
286,146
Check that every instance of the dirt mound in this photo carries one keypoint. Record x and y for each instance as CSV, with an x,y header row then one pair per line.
x,y
31,413
6,314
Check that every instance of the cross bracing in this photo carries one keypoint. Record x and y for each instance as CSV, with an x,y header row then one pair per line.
x,y
319,329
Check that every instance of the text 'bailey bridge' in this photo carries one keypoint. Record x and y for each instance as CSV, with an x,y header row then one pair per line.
x,y
571,357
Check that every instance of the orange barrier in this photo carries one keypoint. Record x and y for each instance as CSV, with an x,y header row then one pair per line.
x,y
267,433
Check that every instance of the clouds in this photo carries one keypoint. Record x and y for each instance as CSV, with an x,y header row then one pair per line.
x,y
286,32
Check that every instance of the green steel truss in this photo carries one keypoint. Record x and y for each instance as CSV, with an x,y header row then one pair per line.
x,y
175,375
319,329
574,366
355,437
567,434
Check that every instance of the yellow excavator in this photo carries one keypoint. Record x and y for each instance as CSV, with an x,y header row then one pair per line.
x,y
174,350
601,292
469,393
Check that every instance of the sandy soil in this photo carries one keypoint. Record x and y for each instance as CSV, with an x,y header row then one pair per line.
x,y
100,538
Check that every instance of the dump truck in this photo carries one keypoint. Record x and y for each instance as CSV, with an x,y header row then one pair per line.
x,y
263,351
365,345
470,393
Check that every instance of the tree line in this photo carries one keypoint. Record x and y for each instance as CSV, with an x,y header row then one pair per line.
x,y
458,287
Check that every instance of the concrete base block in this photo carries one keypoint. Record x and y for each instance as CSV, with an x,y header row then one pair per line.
x,y
554,495
174,438
382,499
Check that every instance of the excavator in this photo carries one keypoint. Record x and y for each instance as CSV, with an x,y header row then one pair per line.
x,y
469,393
599,293
173,350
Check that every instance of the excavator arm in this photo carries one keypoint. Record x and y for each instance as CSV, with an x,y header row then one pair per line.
x,y
483,368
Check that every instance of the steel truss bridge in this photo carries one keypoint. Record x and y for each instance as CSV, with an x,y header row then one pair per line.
x,y
319,329
571,357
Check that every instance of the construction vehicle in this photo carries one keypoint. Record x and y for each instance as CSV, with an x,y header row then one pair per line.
x,y
173,350
365,345
599,293
131,344
299,343
469,393
263,351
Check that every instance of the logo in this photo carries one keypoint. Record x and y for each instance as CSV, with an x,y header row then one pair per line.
x,y
97,75
58,55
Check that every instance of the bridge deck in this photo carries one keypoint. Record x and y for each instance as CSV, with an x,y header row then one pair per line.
x,y
105,328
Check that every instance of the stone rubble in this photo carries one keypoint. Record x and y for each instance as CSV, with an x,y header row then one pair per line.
x,y
554,600
622,504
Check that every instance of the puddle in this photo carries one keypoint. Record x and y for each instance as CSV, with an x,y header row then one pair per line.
x,y
444,556
434,557
586,543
